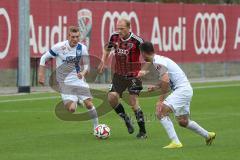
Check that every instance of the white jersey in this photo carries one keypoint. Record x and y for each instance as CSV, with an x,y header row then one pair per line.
x,y
176,75
66,58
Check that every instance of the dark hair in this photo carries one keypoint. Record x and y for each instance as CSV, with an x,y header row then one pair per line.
x,y
147,47
73,29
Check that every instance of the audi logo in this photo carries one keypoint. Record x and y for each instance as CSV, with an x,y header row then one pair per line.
x,y
113,17
212,33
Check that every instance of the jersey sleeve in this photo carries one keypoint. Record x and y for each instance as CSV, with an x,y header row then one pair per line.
x,y
162,62
46,56
139,40
55,49
161,66
52,53
84,50
85,58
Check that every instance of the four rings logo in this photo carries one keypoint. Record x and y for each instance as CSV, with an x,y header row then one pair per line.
x,y
112,18
212,33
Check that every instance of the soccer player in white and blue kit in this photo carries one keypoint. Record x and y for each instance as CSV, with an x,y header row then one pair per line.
x,y
72,64
178,101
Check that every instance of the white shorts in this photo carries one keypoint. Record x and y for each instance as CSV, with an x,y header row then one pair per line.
x,y
179,100
75,91
67,97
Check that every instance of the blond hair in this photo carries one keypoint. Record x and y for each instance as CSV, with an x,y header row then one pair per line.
x,y
127,22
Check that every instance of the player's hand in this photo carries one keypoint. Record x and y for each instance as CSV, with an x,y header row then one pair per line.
x,y
100,68
41,75
41,79
151,88
141,73
80,75
159,109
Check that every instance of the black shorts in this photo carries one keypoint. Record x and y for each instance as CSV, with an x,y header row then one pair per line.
x,y
121,83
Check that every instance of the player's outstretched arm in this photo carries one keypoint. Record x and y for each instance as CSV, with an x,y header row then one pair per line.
x,y
41,75
164,85
153,88
41,70
104,58
86,67
144,70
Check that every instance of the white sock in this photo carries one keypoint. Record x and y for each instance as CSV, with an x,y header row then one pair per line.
x,y
192,125
168,126
94,116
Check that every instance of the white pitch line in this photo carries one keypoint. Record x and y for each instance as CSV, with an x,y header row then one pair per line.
x,y
29,99
217,86
16,111
54,97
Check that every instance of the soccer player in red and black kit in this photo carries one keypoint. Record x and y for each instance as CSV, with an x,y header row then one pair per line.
x,y
127,65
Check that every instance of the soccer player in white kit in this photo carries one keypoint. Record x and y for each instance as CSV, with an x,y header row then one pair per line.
x,y
71,56
178,101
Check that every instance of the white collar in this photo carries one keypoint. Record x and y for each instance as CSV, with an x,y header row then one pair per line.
x,y
128,37
70,46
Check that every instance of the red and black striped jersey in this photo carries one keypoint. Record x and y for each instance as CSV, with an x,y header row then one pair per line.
x,y
127,54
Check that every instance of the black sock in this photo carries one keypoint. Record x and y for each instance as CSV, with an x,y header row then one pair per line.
x,y
140,120
121,112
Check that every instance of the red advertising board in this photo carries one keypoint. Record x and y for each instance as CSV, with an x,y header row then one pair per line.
x,y
8,34
183,32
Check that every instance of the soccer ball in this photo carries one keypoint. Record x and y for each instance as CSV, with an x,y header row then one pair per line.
x,y
102,131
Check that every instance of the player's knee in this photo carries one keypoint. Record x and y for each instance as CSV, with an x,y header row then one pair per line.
x,y
71,109
133,105
112,95
70,106
163,112
88,103
183,122
133,101
113,99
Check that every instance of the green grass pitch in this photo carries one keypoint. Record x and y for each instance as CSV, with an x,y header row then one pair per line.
x,y
30,130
